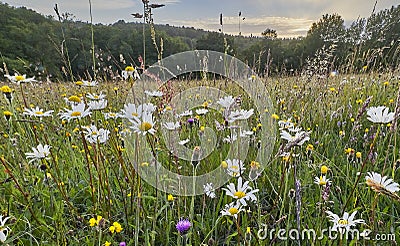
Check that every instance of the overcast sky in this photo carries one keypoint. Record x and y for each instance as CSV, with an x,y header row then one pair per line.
x,y
289,17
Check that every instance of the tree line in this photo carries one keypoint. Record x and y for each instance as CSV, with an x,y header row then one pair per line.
x,y
61,48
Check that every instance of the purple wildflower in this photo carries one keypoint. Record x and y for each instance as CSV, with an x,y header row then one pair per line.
x,y
183,225
122,244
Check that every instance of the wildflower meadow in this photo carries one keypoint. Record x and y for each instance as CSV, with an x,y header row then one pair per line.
x,y
200,149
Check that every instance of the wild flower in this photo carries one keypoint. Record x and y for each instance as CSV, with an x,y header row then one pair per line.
x,y
38,112
382,184
4,230
116,227
240,115
209,190
87,83
19,78
95,221
130,72
201,111
98,104
39,152
78,111
144,124
7,114
172,125
298,139
234,167
322,180
111,115
380,114
183,142
94,135
226,102
232,209
154,93
344,223
183,225
242,193
95,96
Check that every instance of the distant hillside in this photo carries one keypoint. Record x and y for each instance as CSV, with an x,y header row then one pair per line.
x,y
61,49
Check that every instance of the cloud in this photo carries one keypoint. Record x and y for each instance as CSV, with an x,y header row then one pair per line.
x,y
285,26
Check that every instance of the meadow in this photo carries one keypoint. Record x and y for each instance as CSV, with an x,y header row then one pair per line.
x,y
67,177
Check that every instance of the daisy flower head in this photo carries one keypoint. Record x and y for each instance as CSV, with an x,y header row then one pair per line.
x,y
20,78
98,104
299,138
226,102
240,115
37,112
242,193
39,153
111,115
130,72
183,142
234,167
322,180
154,93
144,124
285,124
95,96
94,135
7,92
3,229
185,113
380,114
232,209
183,225
344,223
87,83
78,111
209,190
201,111
129,111
172,125
381,184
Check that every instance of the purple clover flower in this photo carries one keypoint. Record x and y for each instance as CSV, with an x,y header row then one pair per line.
x,y
183,225
122,244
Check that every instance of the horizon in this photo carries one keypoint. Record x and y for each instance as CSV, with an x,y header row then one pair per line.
x,y
290,18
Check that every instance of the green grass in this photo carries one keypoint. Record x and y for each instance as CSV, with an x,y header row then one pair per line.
x,y
50,202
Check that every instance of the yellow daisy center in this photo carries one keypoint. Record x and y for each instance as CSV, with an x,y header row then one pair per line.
x,y
134,114
129,69
233,211
343,222
239,194
74,99
145,126
38,112
79,82
19,77
76,113
322,181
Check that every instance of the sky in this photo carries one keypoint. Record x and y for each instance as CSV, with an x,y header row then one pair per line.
x,y
290,18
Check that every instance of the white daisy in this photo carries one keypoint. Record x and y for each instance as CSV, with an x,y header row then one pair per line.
x,y
4,230
154,93
146,108
232,209
40,152
89,83
322,180
78,111
298,139
343,223
144,124
19,78
94,135
234,167
172,125
95,96
240,115
186,113
183,142
242,193
201,111
226,102
285,124
209,190
380,114
129,111
37,112
381,184
111,115
98,104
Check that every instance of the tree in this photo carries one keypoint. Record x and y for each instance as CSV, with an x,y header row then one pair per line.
x,y
269,33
